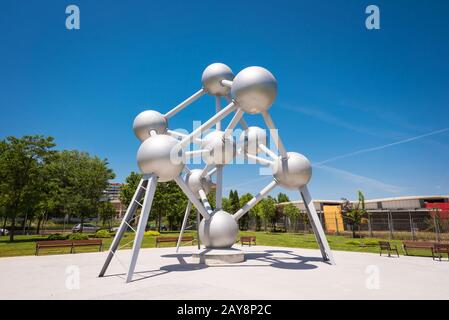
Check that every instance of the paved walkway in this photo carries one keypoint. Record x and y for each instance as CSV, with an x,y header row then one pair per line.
x,y
267,273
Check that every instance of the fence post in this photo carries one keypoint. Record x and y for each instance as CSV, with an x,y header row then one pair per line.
x,y
412,229
390,224
369,225
336,223
437,231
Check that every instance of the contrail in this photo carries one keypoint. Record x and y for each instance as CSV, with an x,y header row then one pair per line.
x,y
382,147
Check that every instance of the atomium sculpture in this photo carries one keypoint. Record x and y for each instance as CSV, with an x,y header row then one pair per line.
x,y
162,157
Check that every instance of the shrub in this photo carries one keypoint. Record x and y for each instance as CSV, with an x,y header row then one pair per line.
x,y
56,236
152,233
102,234
371,243
353,242
78,236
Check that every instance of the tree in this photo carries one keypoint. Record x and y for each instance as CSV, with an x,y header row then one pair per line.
x,y
292,212
129,188
20,162
106,211
244,221
354,214
81,180
235,202
282,197
266,208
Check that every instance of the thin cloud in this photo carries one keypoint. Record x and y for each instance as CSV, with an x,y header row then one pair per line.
x,y
331,119
370,182
351,154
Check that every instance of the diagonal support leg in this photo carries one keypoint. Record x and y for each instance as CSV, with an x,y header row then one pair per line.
x,y
124,224
184,222
316,225
198,229
143,219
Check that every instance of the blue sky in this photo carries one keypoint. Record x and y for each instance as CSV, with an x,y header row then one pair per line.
x,y
342,88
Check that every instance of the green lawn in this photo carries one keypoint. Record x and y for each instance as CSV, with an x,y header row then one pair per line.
x,y
25,245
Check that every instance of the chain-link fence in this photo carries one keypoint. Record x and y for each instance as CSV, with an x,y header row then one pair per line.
x,y
385,224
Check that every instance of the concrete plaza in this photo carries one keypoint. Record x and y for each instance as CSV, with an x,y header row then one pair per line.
x,y
267,273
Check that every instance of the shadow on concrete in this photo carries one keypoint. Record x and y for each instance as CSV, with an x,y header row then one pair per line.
x,y
281,259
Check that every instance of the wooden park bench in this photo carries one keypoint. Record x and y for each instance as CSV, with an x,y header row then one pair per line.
x,y
174,239
417,245
439,248
385,245
68,244
248,239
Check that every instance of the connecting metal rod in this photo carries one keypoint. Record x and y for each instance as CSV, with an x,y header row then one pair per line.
x,y
205,202
209,123
226,83
185,103
219,187
206,169
237,116
272,155
217,110
251,203
143,219
184,223
242,120
185,188
260,160
177,134
273,130
316,225
124,225
196,152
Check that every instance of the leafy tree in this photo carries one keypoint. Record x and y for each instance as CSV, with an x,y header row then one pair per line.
x,y
266,209
81,180
20,162
244,221
235,202
106,212
129,188
282,197
292,212
354,214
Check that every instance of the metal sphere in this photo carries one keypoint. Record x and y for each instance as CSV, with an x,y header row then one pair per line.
x,y
251,138
196,182
149,120
212,77
220,231
161,155
293,172
254,89
221,150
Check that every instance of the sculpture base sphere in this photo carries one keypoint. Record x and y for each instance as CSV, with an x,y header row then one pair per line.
x,y
212,77
254,89
293,172
161,155
196,182
222,150
149,120
220,231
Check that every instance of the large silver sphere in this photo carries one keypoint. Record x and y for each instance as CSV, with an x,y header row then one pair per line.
x,y
161,155
222,150
196,182
149,120
212,77
254,89
251,138
293,172
220,231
